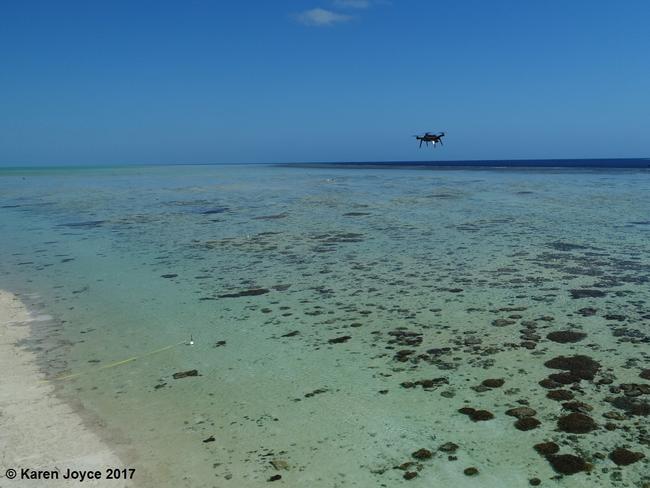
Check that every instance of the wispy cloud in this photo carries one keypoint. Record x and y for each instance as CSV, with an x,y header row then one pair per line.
x,y
322,17
352,3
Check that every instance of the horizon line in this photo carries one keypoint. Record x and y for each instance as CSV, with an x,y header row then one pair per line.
x,y
444,163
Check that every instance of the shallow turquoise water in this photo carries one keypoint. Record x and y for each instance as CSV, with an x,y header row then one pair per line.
x,y
131,260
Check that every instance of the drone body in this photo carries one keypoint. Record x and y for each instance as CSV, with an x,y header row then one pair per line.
x,y
430,137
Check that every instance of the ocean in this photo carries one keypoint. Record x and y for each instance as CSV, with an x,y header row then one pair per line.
x,y
339,317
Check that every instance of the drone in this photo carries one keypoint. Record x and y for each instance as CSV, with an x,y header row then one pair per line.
x,y
429,137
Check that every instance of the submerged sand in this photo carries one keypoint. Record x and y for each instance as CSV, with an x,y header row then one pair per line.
x,y
39,431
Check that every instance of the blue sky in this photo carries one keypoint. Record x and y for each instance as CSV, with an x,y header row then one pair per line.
x,y
94,82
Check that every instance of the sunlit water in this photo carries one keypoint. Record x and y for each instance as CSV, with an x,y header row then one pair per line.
x,y
314,296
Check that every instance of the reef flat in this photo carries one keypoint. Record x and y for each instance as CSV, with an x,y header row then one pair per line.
x,y
335,327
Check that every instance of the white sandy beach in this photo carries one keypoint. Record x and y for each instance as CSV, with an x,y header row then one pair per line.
x,y
39,431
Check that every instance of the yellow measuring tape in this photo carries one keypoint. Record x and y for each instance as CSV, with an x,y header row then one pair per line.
x,y
112,365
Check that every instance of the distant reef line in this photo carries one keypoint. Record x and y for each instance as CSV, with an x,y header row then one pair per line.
x,y
632,163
